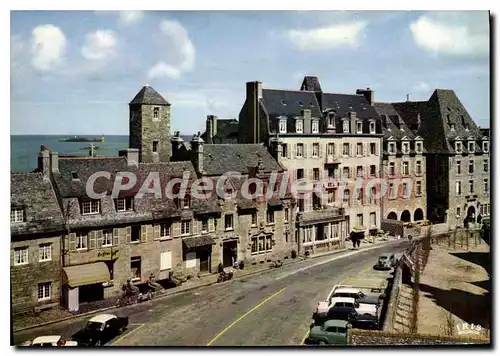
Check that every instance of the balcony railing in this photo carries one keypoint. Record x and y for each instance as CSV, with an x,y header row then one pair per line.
x,y
320,215
330,159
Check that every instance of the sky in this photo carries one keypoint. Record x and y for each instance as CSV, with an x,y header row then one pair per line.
x,y
74,72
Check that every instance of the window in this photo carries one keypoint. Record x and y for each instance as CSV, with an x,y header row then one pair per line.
x,y
301,205
316,173
330,149
135,235
270,217
452,127
359,171
331,121
418,147
186,227
419,188
373,169
81,241
299,126
300,150
459,167
392,192
405,190
458,147
359,195
186,203
45,252
373,149
165,230
346,196
287,212
124,204
261,244
359,127
392,168
135,268
156,113
486,147
360,220
165,260
458,188
406,147
471,186
20,256
458,212
254,218
346,173
418,167
204,225
359,149
406,167
373,194
486,188
471,146
315,150
107,238
485,165
228,222
284,150
155,146
74,175
345,126
44,290
392,147
345,149
16,215
373,219
331,196
315,126
282,126
300,173
372,127
471,166
90,207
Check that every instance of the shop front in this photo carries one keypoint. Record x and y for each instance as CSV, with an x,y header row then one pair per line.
x,y
197,253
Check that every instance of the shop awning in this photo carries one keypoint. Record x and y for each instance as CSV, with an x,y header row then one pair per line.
x,y
198,241
89,273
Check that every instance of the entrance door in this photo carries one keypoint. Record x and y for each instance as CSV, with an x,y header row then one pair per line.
x,y
229,253
204,254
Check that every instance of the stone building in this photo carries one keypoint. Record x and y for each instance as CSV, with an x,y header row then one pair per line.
x,y
404,168
457,158
318,136
220,130
36,226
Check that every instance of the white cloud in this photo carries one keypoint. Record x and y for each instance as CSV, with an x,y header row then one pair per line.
x,y
179,53
329,37
455,34
48,47
126,18
100,44
422,87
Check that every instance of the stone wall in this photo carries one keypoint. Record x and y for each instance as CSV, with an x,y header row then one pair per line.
x,y
374,337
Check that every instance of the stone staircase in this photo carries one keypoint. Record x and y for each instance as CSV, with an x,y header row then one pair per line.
x,y
403,316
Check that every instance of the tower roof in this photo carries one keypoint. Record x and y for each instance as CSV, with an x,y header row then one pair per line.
x,y
148,96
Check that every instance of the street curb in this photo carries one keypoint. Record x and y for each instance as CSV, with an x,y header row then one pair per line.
x,y
299,260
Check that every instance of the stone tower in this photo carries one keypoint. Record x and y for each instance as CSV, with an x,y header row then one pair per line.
x,y
149,129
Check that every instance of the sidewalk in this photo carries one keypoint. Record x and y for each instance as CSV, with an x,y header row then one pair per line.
x,y
57,315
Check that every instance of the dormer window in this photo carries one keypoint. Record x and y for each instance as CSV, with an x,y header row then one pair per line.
x,y
471,146
315,126
299,126
16,215
124,204
452,127
283,102
359,127
90,207
331,121
372,127
458,147
282,125
74,175
156,113
406,147
392,148
186,203
418,147
486,146
345,126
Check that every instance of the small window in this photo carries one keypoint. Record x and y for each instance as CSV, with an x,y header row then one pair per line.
x,y
315,126
287,212
418,147
346,172
345,126
359,127
299,126
16,215
90,207
165,230
345,149
135,234
284,150
155,146
44,291
458,147
20,256
346,196
392,147
458,212
471,186
471,166
300,150
373,170
486,165
204,225
45,252
315,152
419,188
186,202
471,146
186,227
486,146
418,167
156,113
452,127
406,167
458,188
360,220
486,187
135,268
359,149
300,173
392,168
270,217
254,218
316,173
282,126
74,175
373,149
372,127
373,219
359,171
331,121
330,149
406,147
124,204
228,222
81,241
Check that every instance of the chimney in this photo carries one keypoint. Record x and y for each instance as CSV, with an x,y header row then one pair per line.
x,y
254,88
407,97
211,127
177,143
197,153
306,114
419,121
352,120
44,162
54,162
132,155
368,94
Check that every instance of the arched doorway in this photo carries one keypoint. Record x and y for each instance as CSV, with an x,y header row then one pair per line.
x,y
418,215
471,215
406,216
392,216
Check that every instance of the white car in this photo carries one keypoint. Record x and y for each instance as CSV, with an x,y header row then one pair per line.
x,y
361,308
52,340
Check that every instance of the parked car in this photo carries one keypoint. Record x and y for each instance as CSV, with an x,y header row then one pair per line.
x,y
356,293
361,308
332,332
365,321
100,329
335,313
386,261
50,341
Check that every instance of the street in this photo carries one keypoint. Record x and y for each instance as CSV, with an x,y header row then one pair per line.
x,y
269,309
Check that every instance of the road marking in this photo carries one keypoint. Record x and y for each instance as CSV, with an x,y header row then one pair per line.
x,y
244,315
140,326
305,337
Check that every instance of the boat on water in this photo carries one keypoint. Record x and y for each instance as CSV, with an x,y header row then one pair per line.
x,y
81,139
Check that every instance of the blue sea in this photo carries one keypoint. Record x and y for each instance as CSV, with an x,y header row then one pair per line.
x,y
24,149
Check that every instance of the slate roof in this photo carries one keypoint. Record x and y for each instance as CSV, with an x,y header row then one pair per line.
x,y
227,132
148,96
390,119
36,195
345,103
289,103
311,83
222,158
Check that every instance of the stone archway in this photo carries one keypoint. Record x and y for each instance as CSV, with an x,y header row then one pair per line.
x,y
418,215
471,215
392,216
406,216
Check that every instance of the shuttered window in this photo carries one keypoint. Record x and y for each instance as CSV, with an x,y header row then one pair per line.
x,y
166,260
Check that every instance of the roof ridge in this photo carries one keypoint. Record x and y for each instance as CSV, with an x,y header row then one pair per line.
x,y
90,158
292,90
